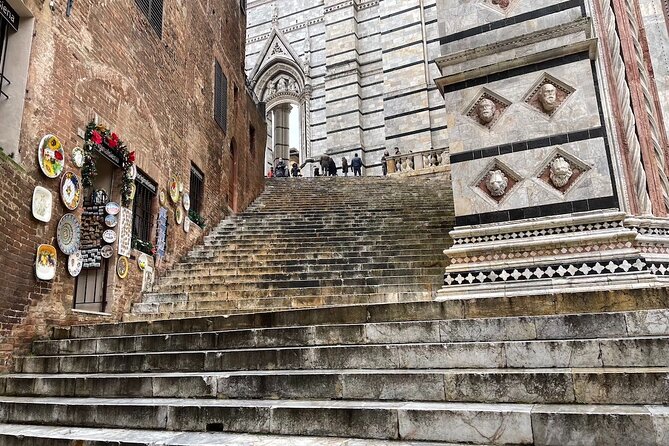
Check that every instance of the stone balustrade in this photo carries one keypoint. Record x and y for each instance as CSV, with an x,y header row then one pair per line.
x,y
417,161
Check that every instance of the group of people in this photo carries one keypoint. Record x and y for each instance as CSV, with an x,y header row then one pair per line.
x,y
327,163
356,166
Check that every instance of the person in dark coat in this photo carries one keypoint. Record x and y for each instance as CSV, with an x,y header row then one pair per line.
x,y
332,168
295,171
344,166
356,164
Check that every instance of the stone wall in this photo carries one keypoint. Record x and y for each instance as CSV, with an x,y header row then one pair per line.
x,y
106,62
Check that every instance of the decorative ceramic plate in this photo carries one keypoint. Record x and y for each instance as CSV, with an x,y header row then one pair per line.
x,y
186,224
142,261
174,190
42,204
107,251
181,187
133,172
68,234
70,190
109,236
162,197
186,202
47,260
74,263
179,215
133,191
78,157
112,208
111,221
122,267
51,156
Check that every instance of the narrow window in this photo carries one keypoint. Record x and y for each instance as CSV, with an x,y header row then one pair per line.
x,y
153,10
221,98
252,141
145,193
196,189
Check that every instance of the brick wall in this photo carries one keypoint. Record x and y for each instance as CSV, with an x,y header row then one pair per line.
x,y
157,95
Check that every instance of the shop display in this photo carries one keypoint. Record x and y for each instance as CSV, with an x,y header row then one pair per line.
x,y
161,232
125,232
92,227
46,262
74,263
78,157
112,208
42,204
111,221
109,236
68,234
51,156
122,267
70,190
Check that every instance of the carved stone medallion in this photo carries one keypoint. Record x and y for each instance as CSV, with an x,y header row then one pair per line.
x,y
548,95
562,170
497,181
487,108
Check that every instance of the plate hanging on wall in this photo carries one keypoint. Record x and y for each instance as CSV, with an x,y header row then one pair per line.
x,y
142,261
51,156
111,221
122,267
107,251
70,190
186,202
112,208
46,262
109,236
68,234
179,215
174,190
161,197
74,263
78,157
186,224
42,204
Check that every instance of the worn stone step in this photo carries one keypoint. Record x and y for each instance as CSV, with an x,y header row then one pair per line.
x,y
605,352
553,304
326,258
621,386
449,422
33,435
579,326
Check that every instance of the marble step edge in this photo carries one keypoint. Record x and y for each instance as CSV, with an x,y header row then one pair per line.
x,y
447,422
620,386
470,308
308,268
37,435
580,326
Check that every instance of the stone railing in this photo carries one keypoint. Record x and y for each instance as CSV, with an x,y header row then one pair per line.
x,y
417,161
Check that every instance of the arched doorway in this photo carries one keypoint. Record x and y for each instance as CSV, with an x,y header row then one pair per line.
x,y
232,178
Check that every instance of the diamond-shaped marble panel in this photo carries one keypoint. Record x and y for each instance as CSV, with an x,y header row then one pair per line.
x,y
548,95
497,181
562,170
487,108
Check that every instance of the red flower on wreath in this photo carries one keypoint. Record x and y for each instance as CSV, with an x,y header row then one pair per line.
x,y
112,141
131,157
96,137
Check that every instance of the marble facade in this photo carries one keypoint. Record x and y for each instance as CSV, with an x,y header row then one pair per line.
x,y
363,73
557,145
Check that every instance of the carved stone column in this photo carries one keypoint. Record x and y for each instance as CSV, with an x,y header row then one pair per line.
x,y
282,131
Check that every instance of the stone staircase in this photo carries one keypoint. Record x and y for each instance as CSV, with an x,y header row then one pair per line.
x,y
313,242
573,369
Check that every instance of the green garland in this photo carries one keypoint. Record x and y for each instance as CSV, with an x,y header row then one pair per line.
x,y
98,136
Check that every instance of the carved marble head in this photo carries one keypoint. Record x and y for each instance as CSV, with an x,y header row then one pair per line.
x,y
560,172
496,183
548,97
486,110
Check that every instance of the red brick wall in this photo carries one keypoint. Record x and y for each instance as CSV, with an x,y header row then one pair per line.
x,y
157,95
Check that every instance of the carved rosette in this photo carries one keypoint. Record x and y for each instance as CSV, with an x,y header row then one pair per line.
x,y
562,170
548,95
487,108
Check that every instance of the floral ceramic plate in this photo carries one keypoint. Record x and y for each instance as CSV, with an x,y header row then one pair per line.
x,y
106,252
122,267
74,263
51,156
186,202
109,236
142,261
112,208
70,190
68,234
111,221
161,197
47,260
42,204
174,190
179,215
78,157
186,224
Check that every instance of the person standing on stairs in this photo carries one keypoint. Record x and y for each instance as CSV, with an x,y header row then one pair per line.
x,y
344,166
356,164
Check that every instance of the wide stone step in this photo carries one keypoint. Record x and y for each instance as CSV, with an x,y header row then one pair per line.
x,y
33,435
352,249
581,326
614,352
325,258
452,422
554,304
620,386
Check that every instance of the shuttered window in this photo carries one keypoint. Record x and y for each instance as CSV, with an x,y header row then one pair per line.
x,y
221,98
196,189
153,10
